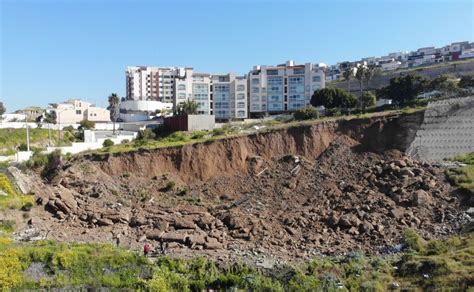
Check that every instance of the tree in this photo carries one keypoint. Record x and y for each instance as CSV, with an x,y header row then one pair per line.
x,y
369,73
443,84
333,98
348,74
306,114
360,75
2,109
367,99
87,125
189,107
405,88
114,102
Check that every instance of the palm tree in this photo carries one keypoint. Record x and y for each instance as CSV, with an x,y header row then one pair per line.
x,y
348,74
369,74
189,107
114,102
360,73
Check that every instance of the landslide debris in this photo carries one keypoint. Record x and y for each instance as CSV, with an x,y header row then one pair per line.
x,y
288,207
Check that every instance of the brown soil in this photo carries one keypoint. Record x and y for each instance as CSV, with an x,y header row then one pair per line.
x,y
332,187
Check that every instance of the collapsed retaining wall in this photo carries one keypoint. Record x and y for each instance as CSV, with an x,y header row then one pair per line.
x,y
447,130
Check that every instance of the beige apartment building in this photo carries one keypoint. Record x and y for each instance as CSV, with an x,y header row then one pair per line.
x,y
152,83
194,86
283,88
74,111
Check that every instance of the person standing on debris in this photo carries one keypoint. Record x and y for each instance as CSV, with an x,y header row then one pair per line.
x,y
146,249
117,240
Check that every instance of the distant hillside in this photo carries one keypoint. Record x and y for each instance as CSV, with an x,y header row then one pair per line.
x,y
450,68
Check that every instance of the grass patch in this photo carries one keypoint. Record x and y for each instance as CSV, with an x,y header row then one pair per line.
x,y
10,198
464,176
446,263
10,139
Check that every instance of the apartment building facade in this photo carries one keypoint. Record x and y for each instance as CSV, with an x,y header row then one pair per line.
x,y
152,83
229,96
283,88
74,111
193,86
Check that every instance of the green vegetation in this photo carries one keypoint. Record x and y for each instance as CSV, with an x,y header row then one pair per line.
x,y
464,176
189,107
86,124
114,101
10,139
108,143
306,114
367,99
10,198
438,263
333,98
76,265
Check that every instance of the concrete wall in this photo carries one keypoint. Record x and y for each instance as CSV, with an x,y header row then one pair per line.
x,y
22,125
201,122
447,130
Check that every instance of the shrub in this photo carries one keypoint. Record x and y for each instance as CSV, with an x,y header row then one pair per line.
x,y
198,134
412,240
367,99
170,185
218,132
86,124
108,143
333,112
306,114
125,141
146,134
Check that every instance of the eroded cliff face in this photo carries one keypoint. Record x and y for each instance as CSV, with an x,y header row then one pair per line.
x,y
203,161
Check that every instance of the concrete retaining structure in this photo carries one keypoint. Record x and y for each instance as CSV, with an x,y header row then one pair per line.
x,y
447,130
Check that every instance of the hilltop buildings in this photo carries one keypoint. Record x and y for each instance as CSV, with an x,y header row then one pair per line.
x,y
283,88
266,89
399,60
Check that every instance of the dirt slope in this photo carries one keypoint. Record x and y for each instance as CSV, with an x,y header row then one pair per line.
x,y
290,193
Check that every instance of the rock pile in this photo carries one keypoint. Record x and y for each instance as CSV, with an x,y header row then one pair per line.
x,y
347,199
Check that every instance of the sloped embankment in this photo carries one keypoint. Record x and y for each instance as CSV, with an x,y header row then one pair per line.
x,y
329,187
203,161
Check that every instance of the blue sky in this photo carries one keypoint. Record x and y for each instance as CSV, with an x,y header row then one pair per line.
x,y
54,50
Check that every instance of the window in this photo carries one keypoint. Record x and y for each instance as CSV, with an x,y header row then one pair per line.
x,y
240,87
241,113
241,105
78,112
316,78
182,96
316,87
272,72
275,81
255,89
181,87
240,96
298,71
296,80
255,81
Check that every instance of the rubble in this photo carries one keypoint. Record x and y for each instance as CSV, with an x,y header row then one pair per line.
x,y
344,200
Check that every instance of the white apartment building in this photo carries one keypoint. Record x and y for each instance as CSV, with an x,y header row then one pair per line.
x,y
229,96
152,83
283,88
74,111
194,86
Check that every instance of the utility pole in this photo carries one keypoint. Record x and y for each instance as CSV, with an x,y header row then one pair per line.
x,y
59,123
49,134
27,137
